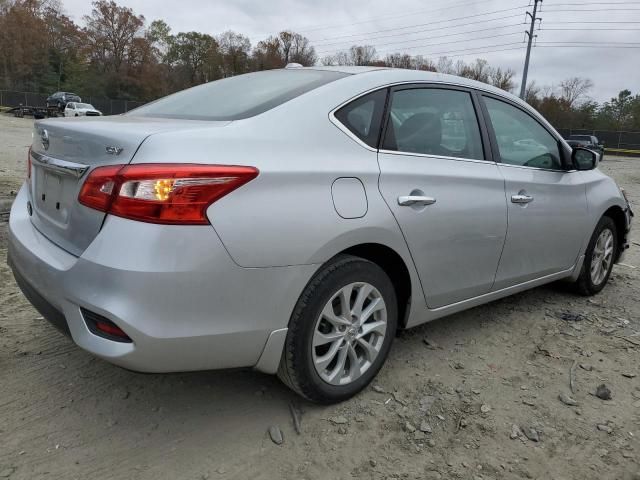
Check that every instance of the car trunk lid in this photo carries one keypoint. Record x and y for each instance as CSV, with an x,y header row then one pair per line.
x,y
63,154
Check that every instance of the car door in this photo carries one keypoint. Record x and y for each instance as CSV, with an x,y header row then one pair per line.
x,y
547,207
446,193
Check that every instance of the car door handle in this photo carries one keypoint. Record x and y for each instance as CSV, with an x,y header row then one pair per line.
x,y
521,198
408,200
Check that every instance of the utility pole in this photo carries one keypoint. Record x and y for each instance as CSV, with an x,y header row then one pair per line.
x,y
523,87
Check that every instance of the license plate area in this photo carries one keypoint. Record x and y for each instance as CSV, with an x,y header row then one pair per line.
x,y
53,194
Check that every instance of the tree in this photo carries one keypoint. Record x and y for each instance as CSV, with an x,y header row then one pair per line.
x,y
24,60
235,49
573,89
159,36
195,54
110,31
502,78
286,47
65,41
617,113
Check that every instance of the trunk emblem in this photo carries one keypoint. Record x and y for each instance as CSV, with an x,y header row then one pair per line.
x,y
44,138
114,150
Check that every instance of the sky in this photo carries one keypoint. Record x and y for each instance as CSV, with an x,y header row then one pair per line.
x,y
461,29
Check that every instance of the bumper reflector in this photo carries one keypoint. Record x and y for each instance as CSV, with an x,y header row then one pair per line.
x,y
103,327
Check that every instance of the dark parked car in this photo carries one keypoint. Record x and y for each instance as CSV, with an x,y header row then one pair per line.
x,y
587,141
60,100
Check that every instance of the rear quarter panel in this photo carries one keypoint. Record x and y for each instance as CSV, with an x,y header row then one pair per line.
x,y
286,216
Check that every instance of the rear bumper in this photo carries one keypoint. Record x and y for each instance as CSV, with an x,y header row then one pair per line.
x,y
174,290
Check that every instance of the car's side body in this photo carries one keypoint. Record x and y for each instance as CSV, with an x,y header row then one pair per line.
x,y
321,191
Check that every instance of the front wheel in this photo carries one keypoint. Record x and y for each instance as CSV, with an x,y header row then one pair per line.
x,y
599,258
340,331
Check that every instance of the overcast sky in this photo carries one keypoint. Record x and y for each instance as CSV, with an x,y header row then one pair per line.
x,y
431,28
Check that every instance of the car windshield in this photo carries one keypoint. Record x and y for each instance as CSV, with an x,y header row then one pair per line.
x,y
84,105
238,97
581,138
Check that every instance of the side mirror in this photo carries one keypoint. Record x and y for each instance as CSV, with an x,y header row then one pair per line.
x,y
584,159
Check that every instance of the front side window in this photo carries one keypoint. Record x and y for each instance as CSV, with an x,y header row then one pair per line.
x,y
239,97
521,139
363,116
433,121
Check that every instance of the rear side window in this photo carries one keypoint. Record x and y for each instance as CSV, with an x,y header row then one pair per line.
x,y
435,122
239,97
363,116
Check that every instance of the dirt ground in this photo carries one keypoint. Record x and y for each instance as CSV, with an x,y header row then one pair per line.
x,y
457,398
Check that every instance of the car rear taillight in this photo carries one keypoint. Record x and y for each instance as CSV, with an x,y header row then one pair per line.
x,y
29,163
162,193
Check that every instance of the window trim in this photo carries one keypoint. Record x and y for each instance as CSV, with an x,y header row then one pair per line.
x,y
568,166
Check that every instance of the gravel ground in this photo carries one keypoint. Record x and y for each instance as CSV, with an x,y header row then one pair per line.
x,y
472,396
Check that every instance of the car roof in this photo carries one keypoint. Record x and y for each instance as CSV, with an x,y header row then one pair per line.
x,y
394,75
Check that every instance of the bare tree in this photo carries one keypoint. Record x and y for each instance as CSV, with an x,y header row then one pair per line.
x,y
573,89
445,65
356,55
532,94
362,55
502,78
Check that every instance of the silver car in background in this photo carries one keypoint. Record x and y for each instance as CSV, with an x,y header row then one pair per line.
x,y
292,220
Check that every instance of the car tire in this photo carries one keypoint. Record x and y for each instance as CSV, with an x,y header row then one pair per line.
x,y
603,248
320,314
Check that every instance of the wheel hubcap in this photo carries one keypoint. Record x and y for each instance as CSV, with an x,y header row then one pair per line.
x,y
602,256
349,333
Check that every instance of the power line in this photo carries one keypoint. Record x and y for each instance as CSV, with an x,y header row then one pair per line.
x,y
475,53
581,10
433,44
387,17
422,24
588,21
588,46
592,43
593,29
443,36
411,33
592,3
467,49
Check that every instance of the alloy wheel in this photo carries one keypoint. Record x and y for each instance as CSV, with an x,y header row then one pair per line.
x,y
602,256
349,333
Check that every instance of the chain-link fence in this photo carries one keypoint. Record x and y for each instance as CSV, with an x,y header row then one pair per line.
x,y
622,142
107,106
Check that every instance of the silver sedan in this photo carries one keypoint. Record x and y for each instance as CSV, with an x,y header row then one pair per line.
x,y
292,220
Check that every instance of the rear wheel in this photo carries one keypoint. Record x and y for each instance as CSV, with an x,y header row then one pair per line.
x,y
599,258
340,332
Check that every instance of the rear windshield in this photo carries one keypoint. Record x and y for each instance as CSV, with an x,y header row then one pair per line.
x,y
580,137
235,98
